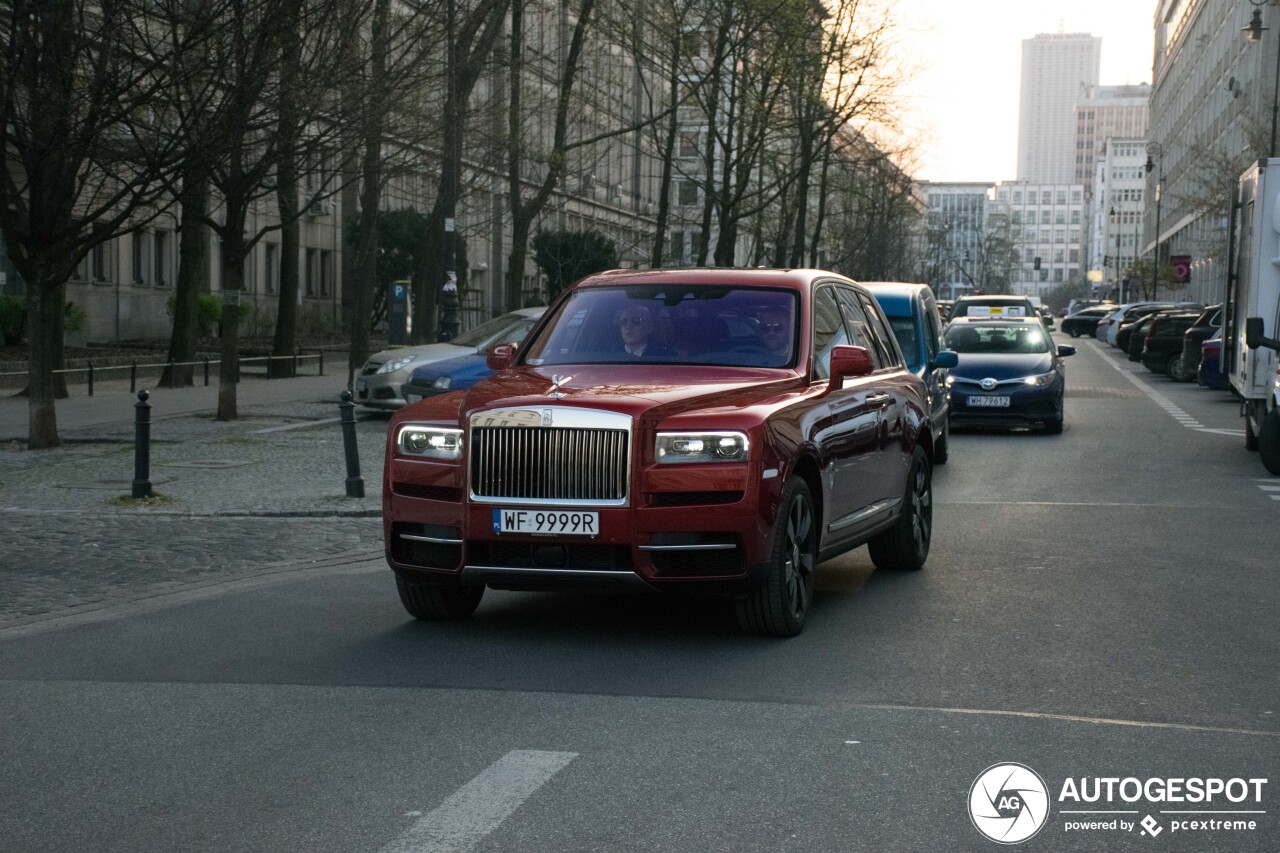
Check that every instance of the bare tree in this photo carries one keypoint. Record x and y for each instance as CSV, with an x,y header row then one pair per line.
x,y
88,145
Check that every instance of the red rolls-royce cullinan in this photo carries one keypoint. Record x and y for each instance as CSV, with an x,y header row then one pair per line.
x,y
675,430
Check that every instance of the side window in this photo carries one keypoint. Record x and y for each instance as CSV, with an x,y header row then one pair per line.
x,y
860,332
888,343
828,330
932,332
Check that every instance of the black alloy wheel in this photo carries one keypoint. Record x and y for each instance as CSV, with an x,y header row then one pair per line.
x,y
779,606
905,546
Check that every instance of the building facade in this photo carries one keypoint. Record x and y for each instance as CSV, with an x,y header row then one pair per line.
x,y
1212,98
1118,204
1048,223
1057,68
1105,112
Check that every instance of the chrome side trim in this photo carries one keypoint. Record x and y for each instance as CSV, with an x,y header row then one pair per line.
x,y
482,574
416,538
862,515
727,546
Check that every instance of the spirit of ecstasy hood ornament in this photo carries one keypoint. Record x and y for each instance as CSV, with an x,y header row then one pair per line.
x,y
557,380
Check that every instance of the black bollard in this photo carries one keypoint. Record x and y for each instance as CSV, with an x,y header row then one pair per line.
x,y
91,378
142,446
347,414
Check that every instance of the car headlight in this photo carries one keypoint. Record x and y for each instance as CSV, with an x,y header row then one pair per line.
x,y
1042,379
951,380
430,442
676,447
442,382
395,364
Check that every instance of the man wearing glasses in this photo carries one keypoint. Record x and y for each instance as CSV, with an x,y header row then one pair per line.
x,y
636,324
774,330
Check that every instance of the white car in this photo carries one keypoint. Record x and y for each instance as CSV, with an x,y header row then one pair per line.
x,y
380,381
1110,324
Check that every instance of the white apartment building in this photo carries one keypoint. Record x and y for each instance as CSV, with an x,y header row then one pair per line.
x,y
1048,224
1104,112
1056,69
1119,197
956,227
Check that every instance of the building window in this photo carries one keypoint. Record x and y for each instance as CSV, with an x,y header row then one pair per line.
x,y
689,143
139,257
160,253
677,246
272,270
688,194
326,265
310,272
98,262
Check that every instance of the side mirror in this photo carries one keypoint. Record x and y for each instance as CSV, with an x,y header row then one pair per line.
x,y
946,358
850,361
1253,332
500,356
1066,351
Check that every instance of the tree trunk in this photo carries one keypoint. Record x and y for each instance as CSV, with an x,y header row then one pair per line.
x,y
44,312
285,339
668,151
193,273
233,252
370,191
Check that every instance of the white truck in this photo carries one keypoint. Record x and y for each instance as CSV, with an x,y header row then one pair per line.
x,y
1252,310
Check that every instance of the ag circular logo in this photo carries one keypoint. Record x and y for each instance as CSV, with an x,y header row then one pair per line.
x,y
987,384
1008,803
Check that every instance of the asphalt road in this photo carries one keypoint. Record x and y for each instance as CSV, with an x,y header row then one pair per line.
x,y
1099,604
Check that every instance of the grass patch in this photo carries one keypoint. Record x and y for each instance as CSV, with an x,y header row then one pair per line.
x,y
130,502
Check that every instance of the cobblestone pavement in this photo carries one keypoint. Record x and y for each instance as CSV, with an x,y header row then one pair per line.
x,y
237,498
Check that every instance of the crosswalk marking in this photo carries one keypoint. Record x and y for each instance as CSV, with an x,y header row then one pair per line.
x,y
474,810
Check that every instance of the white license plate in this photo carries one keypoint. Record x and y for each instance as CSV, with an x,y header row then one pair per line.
x,y
360,386
989,402
546,521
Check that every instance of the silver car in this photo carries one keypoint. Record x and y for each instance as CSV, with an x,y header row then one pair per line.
x,y
379,384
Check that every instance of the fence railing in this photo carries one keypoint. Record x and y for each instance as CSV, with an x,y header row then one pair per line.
x,y
91,371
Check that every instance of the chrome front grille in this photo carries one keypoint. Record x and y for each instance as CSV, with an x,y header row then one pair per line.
x,y
561,456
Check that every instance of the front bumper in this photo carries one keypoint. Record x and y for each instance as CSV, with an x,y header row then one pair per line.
x,y
381,390
714,541
1027,404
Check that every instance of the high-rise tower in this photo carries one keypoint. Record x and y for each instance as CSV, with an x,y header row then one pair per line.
x,y
1057,68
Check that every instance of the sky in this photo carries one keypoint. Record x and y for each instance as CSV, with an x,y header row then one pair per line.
x,y
963,103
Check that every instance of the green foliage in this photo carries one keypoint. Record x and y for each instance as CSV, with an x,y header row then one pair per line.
x,y
566,256
1166,279
208,311
73,317
13,319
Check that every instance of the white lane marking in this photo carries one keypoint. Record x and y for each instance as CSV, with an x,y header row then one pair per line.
x,y
1270,488
474,810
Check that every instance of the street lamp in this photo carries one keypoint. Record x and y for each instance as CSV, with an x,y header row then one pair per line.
x,y
1253,32
1157,150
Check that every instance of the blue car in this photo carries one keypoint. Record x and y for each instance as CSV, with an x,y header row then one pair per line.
x,y
448,375
1009,373
913,315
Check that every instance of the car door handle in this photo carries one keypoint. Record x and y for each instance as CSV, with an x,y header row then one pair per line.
x,y
878,399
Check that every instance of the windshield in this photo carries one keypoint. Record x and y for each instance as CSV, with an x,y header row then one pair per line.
x,y
996,338
671,324
507,329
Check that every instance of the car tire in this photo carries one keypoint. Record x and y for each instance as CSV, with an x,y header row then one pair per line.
x,y
942,447
1250,437
1269,442
435,603
1075,333
905,546
779,605
1178,371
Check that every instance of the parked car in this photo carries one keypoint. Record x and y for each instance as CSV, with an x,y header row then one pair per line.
x,y
1084,321
379,384
1210,373
913,316
716,463
993,306
1208,324
440,377
1047,317
1008,373
1109,325
1131,335
1162,344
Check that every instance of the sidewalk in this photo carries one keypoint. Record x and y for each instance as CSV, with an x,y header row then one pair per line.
x,y
284,456
238,499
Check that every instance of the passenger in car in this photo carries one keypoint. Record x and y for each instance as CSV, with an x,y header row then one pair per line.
x,y
774,331
635,324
